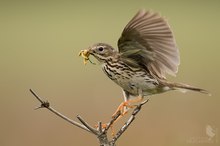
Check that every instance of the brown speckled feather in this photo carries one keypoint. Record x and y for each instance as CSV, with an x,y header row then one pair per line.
x,y
151,43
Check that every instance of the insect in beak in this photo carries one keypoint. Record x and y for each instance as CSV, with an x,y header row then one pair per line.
x,y
85,54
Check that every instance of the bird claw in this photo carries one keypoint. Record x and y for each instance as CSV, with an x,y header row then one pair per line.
x,y
121,108
124,106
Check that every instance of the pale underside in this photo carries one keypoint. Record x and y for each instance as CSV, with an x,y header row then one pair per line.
x,y
138,83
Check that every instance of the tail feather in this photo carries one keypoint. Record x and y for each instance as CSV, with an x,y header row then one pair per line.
x,y
187,87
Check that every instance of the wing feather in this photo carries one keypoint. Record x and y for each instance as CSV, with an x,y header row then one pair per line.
x,y
152,40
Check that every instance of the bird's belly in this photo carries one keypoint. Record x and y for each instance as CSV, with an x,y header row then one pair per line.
x,y
133,82
138,85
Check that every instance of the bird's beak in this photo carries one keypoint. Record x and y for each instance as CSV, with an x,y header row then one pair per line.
x,y
85,54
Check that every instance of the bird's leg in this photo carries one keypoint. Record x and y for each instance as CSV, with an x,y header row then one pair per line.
x,y
124,106
123,109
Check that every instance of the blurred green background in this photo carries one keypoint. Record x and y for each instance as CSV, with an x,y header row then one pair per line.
x,y
39,45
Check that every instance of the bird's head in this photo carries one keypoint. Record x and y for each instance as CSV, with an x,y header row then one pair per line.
x,y
100,51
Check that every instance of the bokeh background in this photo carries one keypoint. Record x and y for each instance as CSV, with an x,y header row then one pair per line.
x,y
39,45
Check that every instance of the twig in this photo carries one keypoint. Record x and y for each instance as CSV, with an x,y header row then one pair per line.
x,y
128,123
88,126
100,126
45,104
100,132
112,121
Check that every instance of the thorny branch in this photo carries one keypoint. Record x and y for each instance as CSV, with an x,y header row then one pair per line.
x,y
100,132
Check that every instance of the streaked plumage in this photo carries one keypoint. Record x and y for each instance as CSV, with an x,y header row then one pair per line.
x,y
147,51
149,35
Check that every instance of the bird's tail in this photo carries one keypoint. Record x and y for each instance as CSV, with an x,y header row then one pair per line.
x,y
185,87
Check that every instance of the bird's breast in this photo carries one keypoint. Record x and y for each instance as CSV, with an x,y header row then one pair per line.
x,y
130,80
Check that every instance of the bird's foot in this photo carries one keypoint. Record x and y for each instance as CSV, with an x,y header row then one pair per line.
x,y
119,113
125,106
123,109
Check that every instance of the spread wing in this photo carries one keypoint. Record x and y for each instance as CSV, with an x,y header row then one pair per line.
x,y
147,41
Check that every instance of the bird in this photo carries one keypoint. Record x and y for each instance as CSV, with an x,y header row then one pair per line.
x,y
147,52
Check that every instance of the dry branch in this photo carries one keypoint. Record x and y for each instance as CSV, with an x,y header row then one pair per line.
x,y
100,132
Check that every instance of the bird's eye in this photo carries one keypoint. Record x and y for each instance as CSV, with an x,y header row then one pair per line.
x,y
100,49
